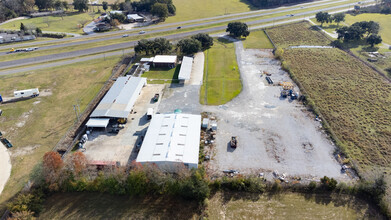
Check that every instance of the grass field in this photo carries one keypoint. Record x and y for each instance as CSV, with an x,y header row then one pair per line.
x,y
66,24
288,206
221,81
35,126
257,40
353,99
104,206
162,75
295,34
221,206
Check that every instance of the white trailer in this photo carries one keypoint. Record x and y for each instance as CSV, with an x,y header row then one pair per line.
x,y
26,93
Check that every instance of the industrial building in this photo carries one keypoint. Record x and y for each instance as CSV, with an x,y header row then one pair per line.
x,y
164,61
185,72
118,102
171,141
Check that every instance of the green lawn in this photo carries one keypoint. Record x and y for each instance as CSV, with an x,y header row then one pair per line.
x,y
66,24
301,33
189,10
162,75
257,40
35,126
221,81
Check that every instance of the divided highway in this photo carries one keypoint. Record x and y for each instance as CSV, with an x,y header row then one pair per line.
x,y
126,45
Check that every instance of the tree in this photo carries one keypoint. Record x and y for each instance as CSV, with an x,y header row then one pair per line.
x,y
323,17
58,4
22,27
374,39
339,17
205,40
189,46
105,5
238,29
80,5
77,163
38,31
65,5
161,46
83,22
115,5
44,4
160,10
171,9
372,28
52,164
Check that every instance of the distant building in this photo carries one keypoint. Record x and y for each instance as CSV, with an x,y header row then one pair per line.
x,y
116,12
102,27
185,72
135,18
172,141
164,61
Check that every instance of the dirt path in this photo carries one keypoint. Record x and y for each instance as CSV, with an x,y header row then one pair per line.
x,y
5,166
197,71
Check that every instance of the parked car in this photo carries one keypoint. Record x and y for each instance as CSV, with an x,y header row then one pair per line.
x,y
142,32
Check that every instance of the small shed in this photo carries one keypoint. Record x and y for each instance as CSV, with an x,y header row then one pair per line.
x,y
165,61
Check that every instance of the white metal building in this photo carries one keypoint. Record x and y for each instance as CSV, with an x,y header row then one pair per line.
x,y
119,100
135,17
164,61
172,140
186,66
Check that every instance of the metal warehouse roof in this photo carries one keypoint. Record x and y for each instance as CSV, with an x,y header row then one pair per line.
x,y
185,72
172,138
119,100
98,122
164,59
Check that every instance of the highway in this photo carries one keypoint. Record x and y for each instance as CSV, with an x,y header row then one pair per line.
x,y
119,46
111,35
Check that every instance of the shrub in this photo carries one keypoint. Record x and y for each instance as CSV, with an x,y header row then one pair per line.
x,y
328,183
53,35
312,186
279,53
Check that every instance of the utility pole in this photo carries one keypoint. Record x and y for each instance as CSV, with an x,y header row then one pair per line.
x,y
77,115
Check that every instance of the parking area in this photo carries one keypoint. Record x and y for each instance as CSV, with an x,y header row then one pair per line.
x,y
105,146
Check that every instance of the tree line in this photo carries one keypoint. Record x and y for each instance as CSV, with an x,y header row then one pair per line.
x,y
363,29
192,45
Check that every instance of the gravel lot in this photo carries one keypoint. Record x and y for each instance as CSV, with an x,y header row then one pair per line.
x,y
273,133
104,146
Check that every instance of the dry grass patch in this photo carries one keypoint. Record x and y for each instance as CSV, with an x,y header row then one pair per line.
x,y
301,33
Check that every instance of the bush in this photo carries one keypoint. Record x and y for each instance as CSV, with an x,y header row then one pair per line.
x,y
53,35
279,53
328,183
312,186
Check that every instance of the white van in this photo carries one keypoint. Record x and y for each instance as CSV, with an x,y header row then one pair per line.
x,y
149,113
26,93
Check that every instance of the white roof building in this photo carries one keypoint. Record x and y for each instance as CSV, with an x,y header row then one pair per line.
x,y
115,12
119,100
185,72
134,17
165,59
172,140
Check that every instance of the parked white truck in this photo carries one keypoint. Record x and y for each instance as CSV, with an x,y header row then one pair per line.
x,y
26,93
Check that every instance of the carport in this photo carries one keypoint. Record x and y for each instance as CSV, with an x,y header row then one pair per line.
x,y
98,123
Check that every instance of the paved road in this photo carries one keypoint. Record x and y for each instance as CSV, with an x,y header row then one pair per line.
x,y
52,57
245,15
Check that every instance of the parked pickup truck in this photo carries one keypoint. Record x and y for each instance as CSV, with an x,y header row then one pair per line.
x,y
156,97
234,142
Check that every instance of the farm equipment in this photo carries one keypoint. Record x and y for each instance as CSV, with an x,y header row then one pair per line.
x,y
156,97
234,142
122,120
5,142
